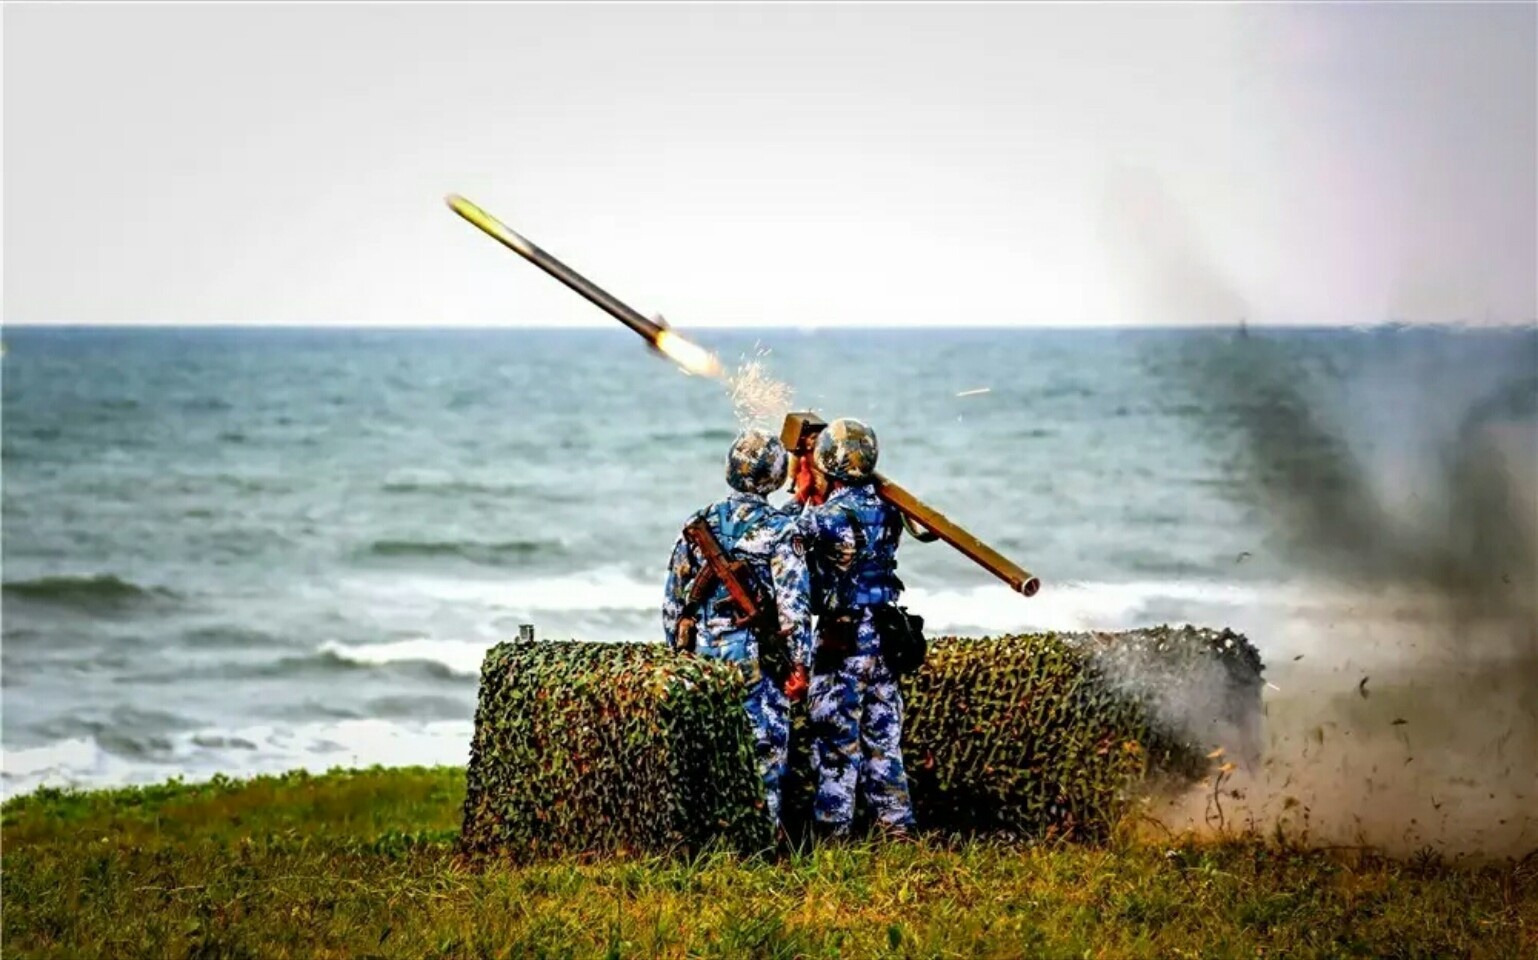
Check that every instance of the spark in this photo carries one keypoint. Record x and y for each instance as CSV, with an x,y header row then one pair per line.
x,y
758,399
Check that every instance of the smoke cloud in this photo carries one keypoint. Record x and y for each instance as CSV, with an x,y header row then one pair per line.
x,y
1396,469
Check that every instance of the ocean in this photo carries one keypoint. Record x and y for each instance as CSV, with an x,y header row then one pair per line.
x,y
250,550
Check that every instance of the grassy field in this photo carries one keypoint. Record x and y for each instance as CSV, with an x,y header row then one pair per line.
x,y
361,863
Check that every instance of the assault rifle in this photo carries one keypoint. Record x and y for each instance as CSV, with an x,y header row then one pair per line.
x,y
751,612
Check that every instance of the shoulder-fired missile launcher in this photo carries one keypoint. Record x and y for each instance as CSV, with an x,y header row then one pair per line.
x,y
925,523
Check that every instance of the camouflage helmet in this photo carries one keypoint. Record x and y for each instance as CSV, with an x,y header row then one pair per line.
x,y
846,450
756,462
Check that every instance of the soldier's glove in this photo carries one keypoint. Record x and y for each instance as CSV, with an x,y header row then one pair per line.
x,y
688,637
796,684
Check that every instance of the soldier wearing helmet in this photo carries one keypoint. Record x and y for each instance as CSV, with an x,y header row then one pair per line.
x,y
769,544
854,703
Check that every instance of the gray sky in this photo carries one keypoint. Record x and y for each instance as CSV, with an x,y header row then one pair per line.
x,y
772,165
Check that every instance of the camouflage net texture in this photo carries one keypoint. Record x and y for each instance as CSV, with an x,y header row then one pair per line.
x,y
608,748
1049,735
603,747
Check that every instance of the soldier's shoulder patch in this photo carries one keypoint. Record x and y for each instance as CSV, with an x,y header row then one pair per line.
x,y
798,545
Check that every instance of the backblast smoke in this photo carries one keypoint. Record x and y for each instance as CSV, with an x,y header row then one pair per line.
x,y
1397,468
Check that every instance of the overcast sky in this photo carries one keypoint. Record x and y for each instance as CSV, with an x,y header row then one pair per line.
x,y
761,165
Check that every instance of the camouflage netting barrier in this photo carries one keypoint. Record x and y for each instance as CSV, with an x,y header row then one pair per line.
x,y
599,747
1057,734
596,747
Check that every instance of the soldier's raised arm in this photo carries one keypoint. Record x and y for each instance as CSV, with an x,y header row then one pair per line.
x,y
793,593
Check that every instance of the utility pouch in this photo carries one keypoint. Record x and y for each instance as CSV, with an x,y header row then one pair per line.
x,y
903,646
773,647
837,640
774,657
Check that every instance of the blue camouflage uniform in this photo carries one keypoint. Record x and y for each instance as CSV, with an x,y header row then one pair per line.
x,y
770,541
856,708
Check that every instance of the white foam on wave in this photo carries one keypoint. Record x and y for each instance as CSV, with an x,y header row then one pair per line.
x,y
990,609
558,604
461,657
1075,605
1068,607
240,752
603,588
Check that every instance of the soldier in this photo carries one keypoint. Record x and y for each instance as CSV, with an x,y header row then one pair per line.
x,y
855,705
769,543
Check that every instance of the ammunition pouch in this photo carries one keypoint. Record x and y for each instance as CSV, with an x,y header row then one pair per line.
x,y
903,646
774,657
773,647
837,640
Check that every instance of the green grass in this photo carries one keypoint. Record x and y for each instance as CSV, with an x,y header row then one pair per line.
x,y
362,863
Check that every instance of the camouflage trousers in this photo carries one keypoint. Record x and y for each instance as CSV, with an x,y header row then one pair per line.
x,y
769,717
856,724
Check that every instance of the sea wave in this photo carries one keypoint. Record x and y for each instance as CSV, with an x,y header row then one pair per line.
x,y
601,588
248,751
1059,606
442,487
232,636
321,664
486,553
617,600
84,592
459,657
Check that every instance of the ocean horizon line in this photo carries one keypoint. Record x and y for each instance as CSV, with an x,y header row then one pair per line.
x,y
1235,326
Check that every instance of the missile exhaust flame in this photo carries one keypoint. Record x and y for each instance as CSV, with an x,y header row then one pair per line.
x,y
693,358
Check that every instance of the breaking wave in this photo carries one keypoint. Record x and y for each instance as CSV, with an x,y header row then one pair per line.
x,y
85,593
605,588
613,603
237,752
457,657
